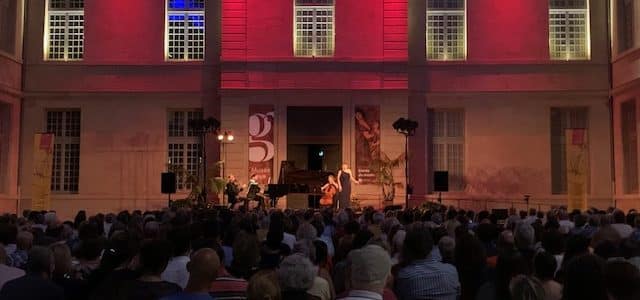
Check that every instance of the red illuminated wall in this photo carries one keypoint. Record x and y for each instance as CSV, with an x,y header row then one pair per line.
x,y
257,46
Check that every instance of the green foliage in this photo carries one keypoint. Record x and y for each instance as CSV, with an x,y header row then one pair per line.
x,y
383,169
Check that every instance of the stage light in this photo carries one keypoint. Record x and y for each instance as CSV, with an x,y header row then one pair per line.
x,y
405,126
321,153
220,137
230,137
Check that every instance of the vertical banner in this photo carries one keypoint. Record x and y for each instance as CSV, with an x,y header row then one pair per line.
x,y
261,139
577,151
42,165
367,125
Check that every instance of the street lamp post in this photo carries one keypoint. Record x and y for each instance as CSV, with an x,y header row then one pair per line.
x,y
202,127
224,138
407,128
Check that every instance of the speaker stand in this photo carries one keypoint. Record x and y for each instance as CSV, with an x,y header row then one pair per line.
x,y
440,197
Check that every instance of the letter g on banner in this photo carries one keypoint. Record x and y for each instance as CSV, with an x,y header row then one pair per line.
x,y
261,148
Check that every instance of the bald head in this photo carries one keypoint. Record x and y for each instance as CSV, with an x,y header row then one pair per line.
x,y
204,265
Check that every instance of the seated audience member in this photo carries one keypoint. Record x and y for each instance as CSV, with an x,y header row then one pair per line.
x,y
545,266
526,288
423,277
36,284
20,256
620,225
509,265
296,276
447,247
176,270
63,275
114,269
584,279
232,283
471,263
154,257
7,273
203,269
264,286
623,280
370,268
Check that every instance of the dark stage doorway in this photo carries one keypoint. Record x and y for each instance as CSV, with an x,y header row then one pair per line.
x,y
314,137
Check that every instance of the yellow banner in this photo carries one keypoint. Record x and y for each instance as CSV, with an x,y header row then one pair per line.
x,y
42,164
577,151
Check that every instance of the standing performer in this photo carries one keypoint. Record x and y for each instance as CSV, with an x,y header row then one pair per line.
x,y
345,177
329,190
232,190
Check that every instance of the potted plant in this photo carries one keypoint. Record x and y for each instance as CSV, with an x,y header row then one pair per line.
x,y
383,168
214,185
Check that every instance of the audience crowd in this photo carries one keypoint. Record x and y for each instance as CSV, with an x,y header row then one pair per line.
x,y
435,253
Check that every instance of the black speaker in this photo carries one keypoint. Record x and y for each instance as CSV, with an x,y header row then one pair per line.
x,y
440,181
168,183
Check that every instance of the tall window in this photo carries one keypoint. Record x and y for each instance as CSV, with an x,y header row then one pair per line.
x,y
625,24
8,17
561,120
447,140
569,29
184,145
629,147
446,30
314,28
65,125
65,30
185,30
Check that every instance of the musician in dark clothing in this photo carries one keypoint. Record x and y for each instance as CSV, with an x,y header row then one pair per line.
x,y
232,190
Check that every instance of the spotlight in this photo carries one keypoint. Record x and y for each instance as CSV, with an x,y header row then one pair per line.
x,y
405,126
220,137
321,153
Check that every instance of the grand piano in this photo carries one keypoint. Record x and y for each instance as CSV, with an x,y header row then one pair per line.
x,y
298,185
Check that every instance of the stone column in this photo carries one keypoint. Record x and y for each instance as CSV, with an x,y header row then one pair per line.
x,y
417,102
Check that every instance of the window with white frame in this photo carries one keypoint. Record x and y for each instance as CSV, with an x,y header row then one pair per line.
x,y
446,30
562,119
447,142
185,30
625,19
569,29
65,30
183,145
629,146
8,17
314,28
65,125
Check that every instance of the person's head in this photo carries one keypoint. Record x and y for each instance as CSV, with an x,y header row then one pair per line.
x,y
296,273
81,216
246,254
253,177
584,279
447,247
524,236
264,286
24,240
418,243
232,178
553,241
345,167
545,266
470,255
154,256
203,268
526,288
370,267
306,231
509,265
180,238
8,233
618,217
623,280
40,261
505,241
62,259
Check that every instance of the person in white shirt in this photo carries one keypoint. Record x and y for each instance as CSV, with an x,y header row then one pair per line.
x,y
370,268
7,273
176,270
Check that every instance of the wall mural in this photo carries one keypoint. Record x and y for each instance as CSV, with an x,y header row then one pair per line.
x,y
261,139
367,129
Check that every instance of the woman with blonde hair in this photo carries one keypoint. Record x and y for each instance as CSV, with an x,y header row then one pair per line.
x,y
264,286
